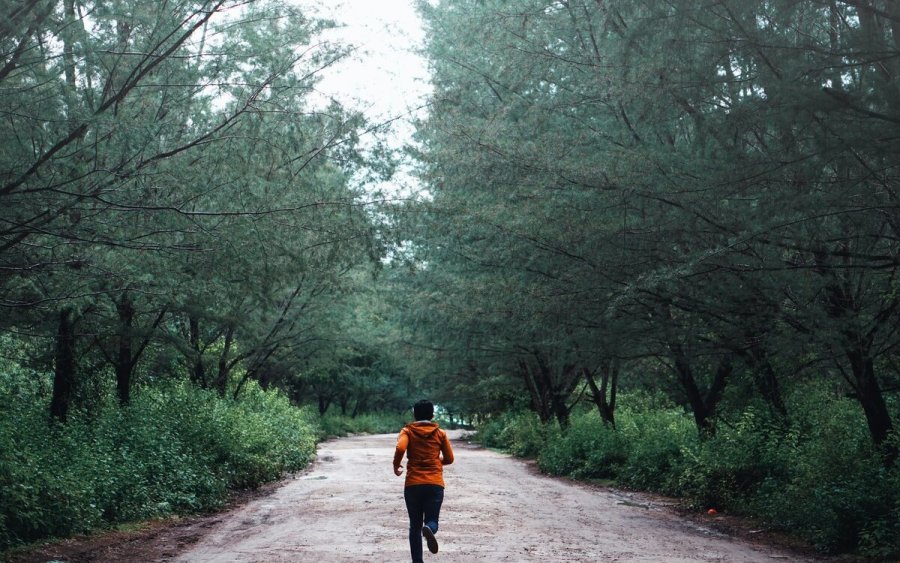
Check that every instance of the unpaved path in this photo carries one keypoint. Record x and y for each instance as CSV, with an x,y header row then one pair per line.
x,y
349,508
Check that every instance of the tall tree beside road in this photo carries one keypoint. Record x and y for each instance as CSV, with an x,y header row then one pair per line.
x,y
163,170
708,184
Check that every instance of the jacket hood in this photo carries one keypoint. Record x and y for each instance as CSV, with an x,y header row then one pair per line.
x,y
423,429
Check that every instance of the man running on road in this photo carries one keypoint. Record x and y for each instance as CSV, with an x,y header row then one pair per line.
x,y
428,450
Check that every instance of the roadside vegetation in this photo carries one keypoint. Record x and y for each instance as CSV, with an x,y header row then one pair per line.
x,y
336,425
173,450
188,259
660,246
818,478
654,242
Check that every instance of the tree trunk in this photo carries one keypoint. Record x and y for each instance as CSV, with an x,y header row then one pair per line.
x,y
362,405
871,398
604,396
64,373
695,400
124,357
702,407
842,304
198,373
549,393
765,379
324,403
559,393
224,370
540,401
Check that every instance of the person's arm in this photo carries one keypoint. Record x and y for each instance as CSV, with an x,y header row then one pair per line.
x,y
446,450
402,444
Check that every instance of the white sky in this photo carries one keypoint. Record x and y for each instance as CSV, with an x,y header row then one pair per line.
x,y
386,77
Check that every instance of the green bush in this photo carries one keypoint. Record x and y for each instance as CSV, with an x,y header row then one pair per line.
x,y
824,478
519,433
659,442
175,449
332,425
587,450
816,475
880,536
489,431
645,451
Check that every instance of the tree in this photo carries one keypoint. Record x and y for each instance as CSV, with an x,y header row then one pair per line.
x,y
173,174
713,181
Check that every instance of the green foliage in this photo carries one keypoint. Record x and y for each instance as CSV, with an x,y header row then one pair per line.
x,y
818,477
519,433
822,477
659,205
698,193
644,452
231,216
333,425
175,449
585,450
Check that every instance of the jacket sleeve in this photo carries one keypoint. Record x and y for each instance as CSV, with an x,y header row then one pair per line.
x,y
446,450
402,444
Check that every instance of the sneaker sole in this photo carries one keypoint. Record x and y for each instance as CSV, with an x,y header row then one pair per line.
x,y
430,539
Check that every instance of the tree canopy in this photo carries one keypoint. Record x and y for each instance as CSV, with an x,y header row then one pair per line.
x,y
696,195
693,200
169,188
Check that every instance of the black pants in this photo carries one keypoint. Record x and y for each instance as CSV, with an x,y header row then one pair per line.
x,y
423,503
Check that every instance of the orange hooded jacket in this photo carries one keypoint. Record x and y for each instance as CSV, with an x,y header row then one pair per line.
x,y
427,449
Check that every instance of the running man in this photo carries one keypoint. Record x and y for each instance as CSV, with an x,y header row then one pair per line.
x,y
428,450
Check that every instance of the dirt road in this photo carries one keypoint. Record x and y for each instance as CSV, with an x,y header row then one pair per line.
x,y
349,508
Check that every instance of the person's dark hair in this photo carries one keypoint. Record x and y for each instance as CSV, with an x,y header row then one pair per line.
x,y
423,410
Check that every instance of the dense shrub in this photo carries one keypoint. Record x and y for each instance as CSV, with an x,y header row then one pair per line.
x,y
520,433
816,475
332,425
174,449
825,478
586,450
646,449
659,440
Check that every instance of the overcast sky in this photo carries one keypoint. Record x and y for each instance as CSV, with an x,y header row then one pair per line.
x,y
385,77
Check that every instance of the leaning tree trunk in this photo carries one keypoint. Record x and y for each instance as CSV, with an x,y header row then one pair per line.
x,y
764,377
550,391
540,394
871,398
360,406
767,383
561,389
842,305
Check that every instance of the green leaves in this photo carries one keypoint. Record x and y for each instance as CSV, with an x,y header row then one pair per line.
x,y
624,180
169,155
174,450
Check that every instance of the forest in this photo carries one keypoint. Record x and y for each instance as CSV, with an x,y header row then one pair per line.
x,y
655,245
